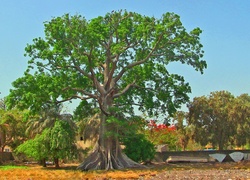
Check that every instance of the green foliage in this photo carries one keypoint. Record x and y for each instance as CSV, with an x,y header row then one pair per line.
x,y
56,142
220,119
123,127
122,55
85,110
184,132
12,127
37,148
62,140
138,148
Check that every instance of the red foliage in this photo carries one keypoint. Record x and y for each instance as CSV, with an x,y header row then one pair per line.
x,y
160,127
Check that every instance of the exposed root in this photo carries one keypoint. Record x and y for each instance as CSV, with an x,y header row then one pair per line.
x,y
98,159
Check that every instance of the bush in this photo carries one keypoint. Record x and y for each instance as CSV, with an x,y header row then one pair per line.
x,y
138,148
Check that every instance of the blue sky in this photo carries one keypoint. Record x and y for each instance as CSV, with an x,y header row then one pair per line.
x,y
225,25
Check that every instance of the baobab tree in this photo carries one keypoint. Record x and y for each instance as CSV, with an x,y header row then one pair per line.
x,y
117,61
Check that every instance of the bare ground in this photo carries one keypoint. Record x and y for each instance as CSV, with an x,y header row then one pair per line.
x,y
205,171
172,171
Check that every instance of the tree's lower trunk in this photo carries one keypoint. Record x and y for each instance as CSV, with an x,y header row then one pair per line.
x,y
43,162
2,148
107,153
56,161
221,141
107,158
221,146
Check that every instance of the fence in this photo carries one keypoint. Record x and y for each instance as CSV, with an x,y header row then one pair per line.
x,y
163,156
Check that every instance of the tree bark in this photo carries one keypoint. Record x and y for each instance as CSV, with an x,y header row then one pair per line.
x,y
107,153
56,161
107,158
43,162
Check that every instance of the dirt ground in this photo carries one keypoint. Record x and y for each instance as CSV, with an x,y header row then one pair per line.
x,y
175,171
205,171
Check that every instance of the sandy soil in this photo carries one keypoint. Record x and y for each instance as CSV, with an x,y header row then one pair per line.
x,y
205,171
171,171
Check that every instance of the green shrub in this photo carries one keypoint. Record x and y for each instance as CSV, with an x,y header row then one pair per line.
x,y
138,148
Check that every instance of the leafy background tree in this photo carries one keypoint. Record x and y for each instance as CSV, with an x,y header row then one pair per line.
x,y
183,131
12,128
36,148
220,119
46,118
240,113
116,62
62,141
54,143
160,134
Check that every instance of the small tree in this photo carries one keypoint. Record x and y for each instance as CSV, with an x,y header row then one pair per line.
x,y
138,148
37,148
62,141
162,134
56,143
129,132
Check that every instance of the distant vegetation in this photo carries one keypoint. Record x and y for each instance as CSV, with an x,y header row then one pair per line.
x,y
220,121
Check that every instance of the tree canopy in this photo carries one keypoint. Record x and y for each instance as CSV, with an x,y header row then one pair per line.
x,y
122,54
114,62
220,119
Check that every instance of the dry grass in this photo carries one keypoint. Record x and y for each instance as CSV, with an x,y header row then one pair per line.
x,y
70,172
66,172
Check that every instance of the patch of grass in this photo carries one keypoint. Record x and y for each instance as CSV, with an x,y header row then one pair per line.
x,y
8,167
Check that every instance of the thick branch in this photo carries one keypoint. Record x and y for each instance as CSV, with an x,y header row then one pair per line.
x,y
111,72
124,90
80,70
138,62
93,76
82,91
73,97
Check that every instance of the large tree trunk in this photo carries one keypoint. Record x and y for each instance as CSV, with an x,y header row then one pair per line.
x,y
107,153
